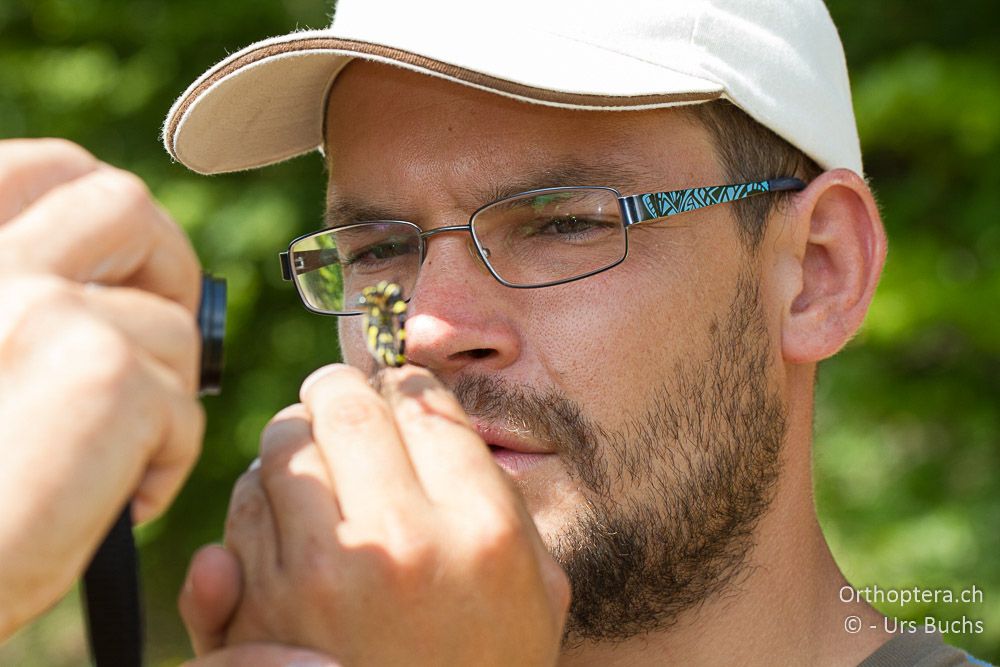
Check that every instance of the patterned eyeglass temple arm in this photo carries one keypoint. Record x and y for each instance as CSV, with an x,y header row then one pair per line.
x,y
656,205
305,261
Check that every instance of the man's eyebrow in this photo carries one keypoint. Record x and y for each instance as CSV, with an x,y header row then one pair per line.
x,y
611,173
344,210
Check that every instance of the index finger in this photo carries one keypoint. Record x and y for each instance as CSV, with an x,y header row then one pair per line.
x,y
452,461
31,167
357,437
455,465
103,227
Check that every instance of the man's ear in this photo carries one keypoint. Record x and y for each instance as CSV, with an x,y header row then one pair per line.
x,y
836,252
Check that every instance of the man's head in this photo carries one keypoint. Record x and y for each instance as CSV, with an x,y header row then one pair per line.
x,y
659,384
666,402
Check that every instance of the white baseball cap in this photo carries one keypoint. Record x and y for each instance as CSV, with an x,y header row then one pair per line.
x,y
780,61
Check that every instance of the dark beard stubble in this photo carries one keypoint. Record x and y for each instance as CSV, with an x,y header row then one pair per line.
x,y
673,494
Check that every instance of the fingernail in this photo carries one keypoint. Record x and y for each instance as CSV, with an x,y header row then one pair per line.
x,y
254,465
318,375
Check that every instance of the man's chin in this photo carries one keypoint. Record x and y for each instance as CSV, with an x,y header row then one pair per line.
x,y
553,503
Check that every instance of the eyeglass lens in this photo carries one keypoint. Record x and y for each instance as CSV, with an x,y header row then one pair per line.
x,y
528,240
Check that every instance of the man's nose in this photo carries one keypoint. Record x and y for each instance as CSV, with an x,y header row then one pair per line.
x,y
460,317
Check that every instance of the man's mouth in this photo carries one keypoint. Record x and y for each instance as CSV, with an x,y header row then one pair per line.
x,y
514,451
516,464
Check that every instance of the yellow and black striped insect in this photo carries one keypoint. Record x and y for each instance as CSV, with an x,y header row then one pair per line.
x,y
384,317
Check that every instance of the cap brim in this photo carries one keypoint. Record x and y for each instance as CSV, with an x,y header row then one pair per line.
x,y
267,102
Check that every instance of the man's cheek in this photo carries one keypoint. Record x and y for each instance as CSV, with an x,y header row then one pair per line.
x,y
352,342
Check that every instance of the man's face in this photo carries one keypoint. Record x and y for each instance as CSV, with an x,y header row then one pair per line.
x,y
650,386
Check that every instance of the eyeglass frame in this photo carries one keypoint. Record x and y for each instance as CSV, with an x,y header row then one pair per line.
x,y
633,209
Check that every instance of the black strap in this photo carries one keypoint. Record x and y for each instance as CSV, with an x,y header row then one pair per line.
x,y
111,587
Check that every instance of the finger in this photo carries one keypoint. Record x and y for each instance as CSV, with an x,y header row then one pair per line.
x,y
456,467
163,328
298,486
158,401
453,463
356,434
104,227
118,410
263,655
250,531
31,167
169,464
210,596
557,589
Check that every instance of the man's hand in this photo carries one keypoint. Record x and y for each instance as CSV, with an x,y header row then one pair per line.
x,y
98,364
379,530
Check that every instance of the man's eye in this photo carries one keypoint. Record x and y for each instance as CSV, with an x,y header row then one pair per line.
x,y
377,252
569,226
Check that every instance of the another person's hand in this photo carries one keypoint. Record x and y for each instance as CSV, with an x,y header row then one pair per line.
x,y
99,354
380,531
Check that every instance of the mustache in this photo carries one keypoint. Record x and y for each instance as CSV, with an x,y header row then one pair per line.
x,y
548,415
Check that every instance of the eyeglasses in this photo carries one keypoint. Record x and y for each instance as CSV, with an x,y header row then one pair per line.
x,y
533,239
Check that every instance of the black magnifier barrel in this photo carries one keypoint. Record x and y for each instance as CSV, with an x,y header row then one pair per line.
x,y
212,324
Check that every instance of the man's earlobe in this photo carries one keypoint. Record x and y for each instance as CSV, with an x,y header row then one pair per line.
x,y
840,248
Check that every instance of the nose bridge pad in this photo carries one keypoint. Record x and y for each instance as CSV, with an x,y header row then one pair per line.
x,y
471,245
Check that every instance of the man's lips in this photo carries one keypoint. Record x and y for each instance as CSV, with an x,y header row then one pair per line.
x,y
511,451
499,437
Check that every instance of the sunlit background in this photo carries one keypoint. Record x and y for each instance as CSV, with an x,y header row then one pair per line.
x,y
908,425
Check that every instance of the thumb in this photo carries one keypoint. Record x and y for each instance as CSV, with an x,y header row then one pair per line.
x,y
210,596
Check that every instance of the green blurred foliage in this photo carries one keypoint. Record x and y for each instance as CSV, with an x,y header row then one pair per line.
x,y
908,416
908,424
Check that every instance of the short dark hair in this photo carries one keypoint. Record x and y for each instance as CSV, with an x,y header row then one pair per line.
x,y
748,151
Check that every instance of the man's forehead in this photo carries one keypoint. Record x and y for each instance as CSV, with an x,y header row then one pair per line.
x,y
367,99
345,206
389,125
